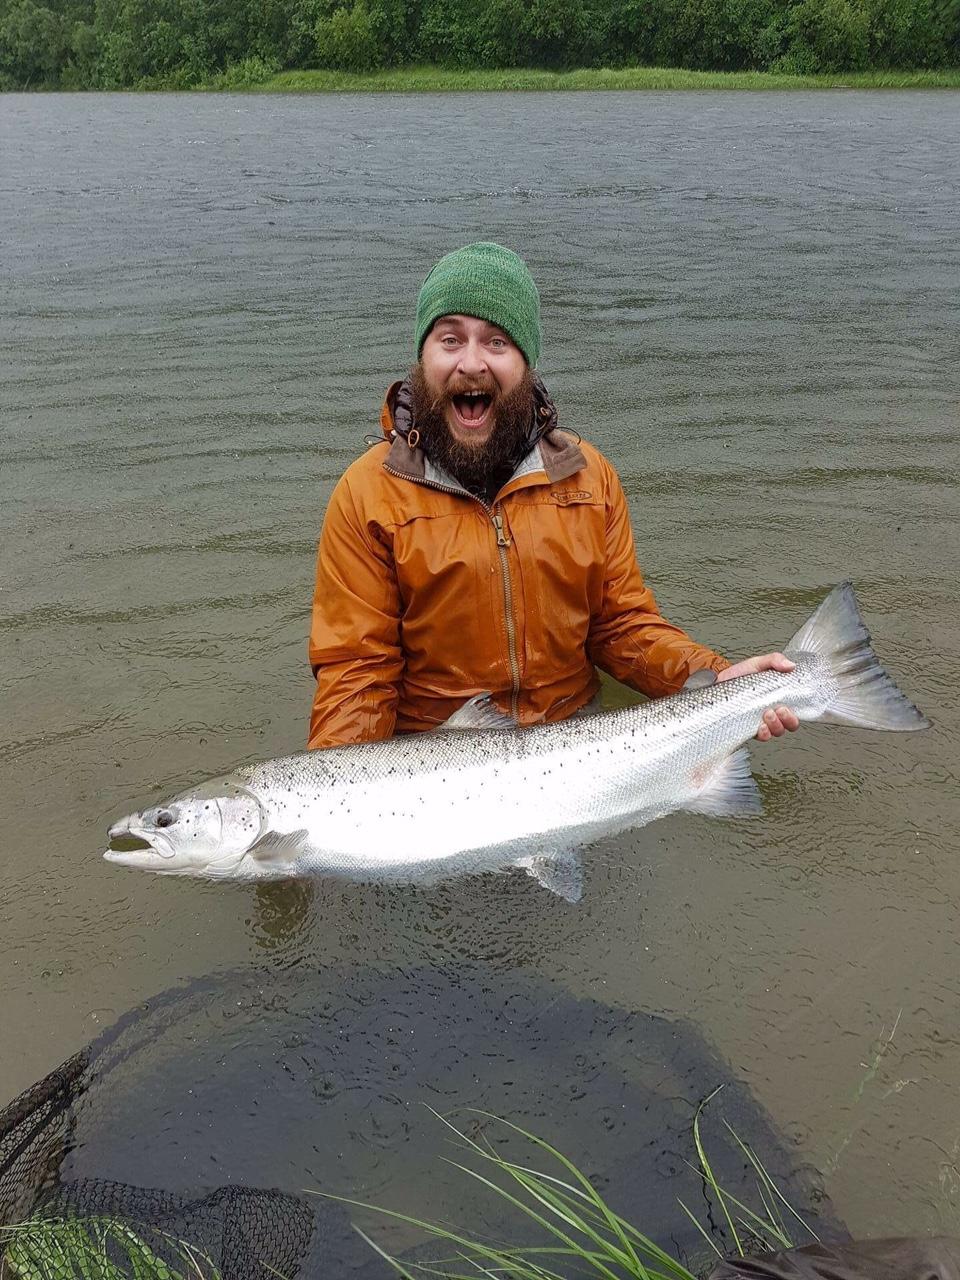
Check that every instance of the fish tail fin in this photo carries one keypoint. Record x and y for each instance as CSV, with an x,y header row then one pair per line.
x,y
864,695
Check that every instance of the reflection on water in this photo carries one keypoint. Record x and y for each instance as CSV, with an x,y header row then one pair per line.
x,y
750,304
282,913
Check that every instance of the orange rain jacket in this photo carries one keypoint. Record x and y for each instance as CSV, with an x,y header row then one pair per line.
x,y
426,596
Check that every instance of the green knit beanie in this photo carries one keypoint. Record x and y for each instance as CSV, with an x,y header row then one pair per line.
x,y
487,281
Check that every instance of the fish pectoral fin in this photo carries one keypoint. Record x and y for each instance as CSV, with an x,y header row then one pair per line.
x,y
729,791
276,846
701,679
561,873
480,712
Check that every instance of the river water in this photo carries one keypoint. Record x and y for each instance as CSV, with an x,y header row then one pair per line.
x,y
751,303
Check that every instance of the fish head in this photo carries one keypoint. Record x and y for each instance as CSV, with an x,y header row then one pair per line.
x,y
202,832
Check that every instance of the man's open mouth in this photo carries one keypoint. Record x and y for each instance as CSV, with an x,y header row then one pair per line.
x,y
472,408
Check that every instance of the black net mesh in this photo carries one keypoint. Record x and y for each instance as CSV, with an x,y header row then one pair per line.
x,y
209,1115
238,1231
34,1133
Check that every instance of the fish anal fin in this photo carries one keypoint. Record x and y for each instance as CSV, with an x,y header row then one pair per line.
x,y
729,789
279,847
480,712
560,872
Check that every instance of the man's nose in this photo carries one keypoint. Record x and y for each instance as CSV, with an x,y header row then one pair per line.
x,y
472,359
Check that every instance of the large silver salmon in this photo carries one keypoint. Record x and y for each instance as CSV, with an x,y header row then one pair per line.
x,y
431,805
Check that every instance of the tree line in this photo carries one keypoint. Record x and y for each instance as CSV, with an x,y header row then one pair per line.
x,y
114,44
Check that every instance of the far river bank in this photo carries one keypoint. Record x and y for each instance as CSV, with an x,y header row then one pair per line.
x,y
254,75
445,79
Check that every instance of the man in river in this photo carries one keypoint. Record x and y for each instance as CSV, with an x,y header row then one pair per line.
x,y
480,547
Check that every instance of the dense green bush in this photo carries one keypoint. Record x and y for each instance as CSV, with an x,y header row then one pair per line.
x,y
906,33
720,35
124,43
40,44
244,74
827,35
362,35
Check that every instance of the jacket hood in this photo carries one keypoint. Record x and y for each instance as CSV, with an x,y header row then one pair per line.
x,y
560,453
397,415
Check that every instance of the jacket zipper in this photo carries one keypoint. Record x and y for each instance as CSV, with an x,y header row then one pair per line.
x,y
503,542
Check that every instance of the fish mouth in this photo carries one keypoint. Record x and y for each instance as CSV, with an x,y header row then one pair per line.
x,y
123,857
128,839
128,843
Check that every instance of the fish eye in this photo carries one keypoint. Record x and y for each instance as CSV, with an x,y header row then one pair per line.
x,y
165,818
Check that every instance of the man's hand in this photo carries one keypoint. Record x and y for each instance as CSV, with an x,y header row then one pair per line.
x,y
776,720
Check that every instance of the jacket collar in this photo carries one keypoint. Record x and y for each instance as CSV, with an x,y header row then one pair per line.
x,y
554,453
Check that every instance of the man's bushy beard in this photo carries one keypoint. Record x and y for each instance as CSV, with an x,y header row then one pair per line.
x,y
481,468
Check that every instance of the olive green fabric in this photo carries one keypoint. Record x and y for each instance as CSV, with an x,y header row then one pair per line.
x,y
487,281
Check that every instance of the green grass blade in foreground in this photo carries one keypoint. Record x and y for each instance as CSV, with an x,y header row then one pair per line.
x,y
561,1209
708,1172
770,1225
700,1227
506,1258
765,1228
516,1262
596,1208
401,1271
95,1248
563,1220
538,1184
769,1183
573,1213
573,1248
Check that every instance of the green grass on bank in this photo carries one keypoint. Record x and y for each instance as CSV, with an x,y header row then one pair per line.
x,y
442,80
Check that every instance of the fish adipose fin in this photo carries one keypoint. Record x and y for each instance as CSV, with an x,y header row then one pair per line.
x,y
561,873
730,790
866,696
480,712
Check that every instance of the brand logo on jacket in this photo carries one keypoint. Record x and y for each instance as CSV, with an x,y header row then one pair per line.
x,y
564,496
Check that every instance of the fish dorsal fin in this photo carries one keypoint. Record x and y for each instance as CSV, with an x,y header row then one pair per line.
x,y
276,846
561,873
480,712
729,790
